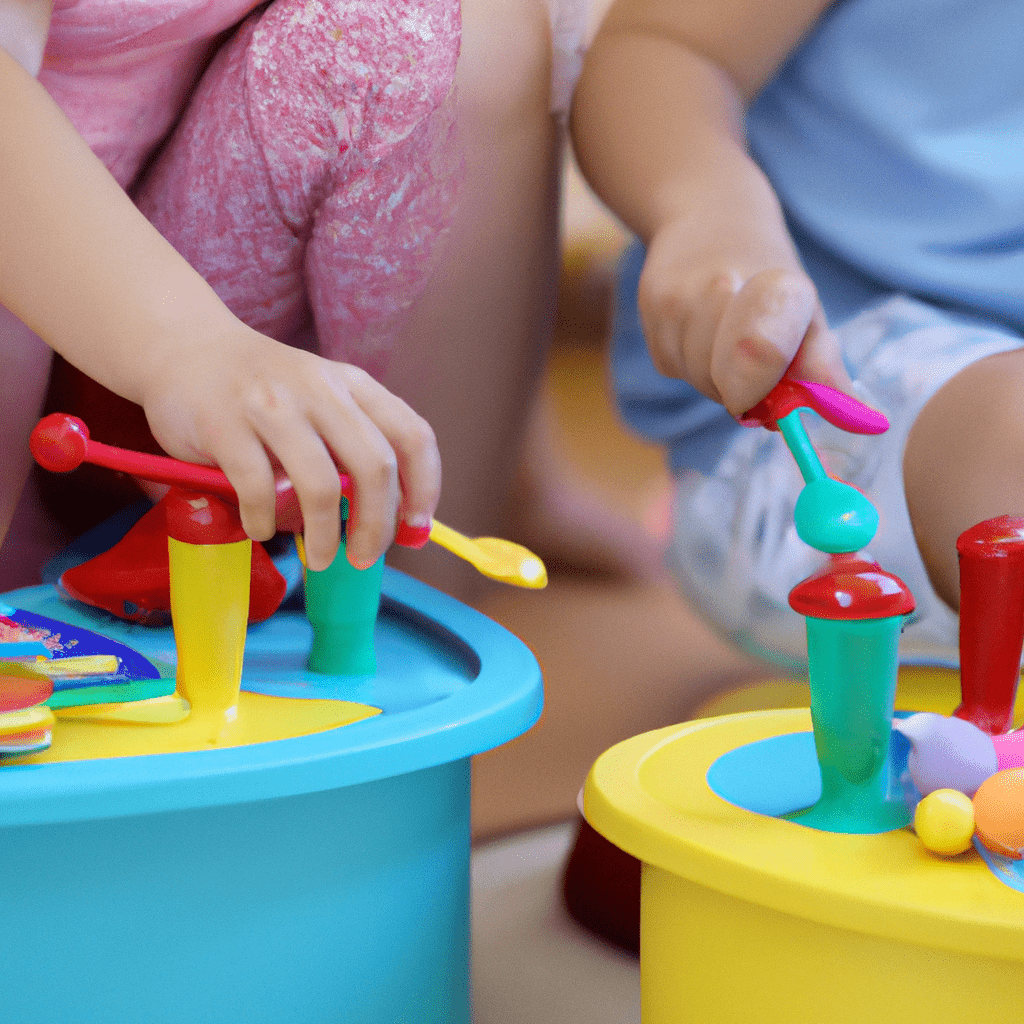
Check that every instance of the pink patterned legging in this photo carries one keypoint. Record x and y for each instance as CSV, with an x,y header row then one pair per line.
x,y
316,168
309,175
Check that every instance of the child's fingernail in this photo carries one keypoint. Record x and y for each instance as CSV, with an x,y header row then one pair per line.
x,y
419,520
360,562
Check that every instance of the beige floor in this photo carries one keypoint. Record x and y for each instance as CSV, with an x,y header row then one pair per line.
x,y
532,964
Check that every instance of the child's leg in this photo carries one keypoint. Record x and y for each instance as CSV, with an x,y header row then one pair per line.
x,y
479,334
483,324
25,360
313,172
963,462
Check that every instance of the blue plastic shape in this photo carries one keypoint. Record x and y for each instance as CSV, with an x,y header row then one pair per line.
x,y
322,878
779,776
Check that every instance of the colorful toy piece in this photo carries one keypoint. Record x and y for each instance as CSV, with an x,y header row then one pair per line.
x,y
23,691
999,813
78,673
210,559
25,718
190,557
494,557
991,621
830,515
947,753
1009,749
341,605
61,443
944,822
132,579
855,612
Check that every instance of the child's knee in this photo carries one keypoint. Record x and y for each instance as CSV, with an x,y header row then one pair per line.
x,y
964,460
538,46
312,106
349,74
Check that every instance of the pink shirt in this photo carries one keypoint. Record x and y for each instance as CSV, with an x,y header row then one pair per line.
x,y
122,70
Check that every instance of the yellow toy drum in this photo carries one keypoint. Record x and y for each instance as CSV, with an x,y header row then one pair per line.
x,y
751,917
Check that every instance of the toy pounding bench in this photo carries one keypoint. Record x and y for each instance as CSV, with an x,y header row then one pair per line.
x,y
780,882
284,840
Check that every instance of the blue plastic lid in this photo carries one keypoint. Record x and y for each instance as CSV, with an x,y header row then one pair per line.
x,y
450,682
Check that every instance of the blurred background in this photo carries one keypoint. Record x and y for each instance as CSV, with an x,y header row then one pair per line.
x,y
621,654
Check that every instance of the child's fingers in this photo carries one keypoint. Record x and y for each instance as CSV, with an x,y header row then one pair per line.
x,y
357,445
311,428
680,333
820,357
245,463
288,433
759,336
412,440
407,439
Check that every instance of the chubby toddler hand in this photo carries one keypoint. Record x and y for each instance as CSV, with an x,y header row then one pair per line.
x,y
730,311
251,405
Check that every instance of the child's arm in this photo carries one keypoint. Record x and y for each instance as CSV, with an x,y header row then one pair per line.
x,y
85,270
658,127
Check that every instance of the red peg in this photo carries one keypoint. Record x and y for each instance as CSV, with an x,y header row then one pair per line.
x,y
59,443
201,518
991,621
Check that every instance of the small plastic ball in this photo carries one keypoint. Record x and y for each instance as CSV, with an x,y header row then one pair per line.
x,y
947,753
944,822
999,812
59,442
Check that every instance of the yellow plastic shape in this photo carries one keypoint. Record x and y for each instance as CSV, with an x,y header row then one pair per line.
x,y
944,822
747,918
152,711
919,688
209,606
210,611
22,670
81,665
501,560
498,559
261,719
31,719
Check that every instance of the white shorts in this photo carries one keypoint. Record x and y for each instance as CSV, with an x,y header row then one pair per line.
x,y
570,24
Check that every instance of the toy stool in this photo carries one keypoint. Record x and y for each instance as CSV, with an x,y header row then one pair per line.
x,y
747,916
322,877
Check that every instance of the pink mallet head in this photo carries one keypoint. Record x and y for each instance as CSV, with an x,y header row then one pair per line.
x,y
59,442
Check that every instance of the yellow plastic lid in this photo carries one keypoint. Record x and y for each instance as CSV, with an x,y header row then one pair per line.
x,y
649,796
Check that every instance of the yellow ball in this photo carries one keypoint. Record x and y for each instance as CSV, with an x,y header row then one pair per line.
x,y
944,822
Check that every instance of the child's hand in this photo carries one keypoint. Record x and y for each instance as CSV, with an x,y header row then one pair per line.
x,y
249,404
729,311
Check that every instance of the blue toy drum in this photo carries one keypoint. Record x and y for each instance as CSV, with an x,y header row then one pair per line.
x,y
311,879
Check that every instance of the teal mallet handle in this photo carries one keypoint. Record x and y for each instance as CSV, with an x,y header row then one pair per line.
x,y
341,605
